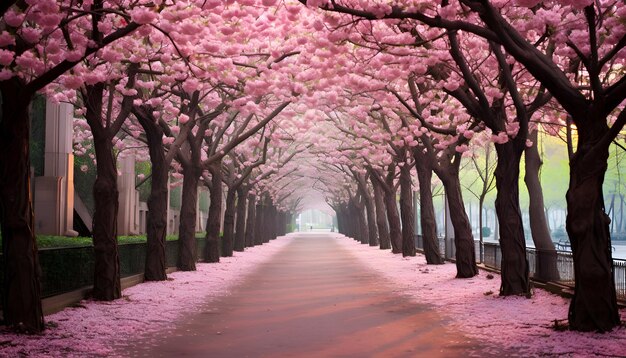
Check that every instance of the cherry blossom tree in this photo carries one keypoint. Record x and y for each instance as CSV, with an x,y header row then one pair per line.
x,y
591,33
41,41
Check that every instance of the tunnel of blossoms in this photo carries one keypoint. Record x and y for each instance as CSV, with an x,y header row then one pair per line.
x,y
404,122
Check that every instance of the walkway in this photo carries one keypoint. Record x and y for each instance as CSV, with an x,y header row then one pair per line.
x,y
313,299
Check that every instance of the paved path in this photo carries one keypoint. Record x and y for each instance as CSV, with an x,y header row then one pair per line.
x,y
313,299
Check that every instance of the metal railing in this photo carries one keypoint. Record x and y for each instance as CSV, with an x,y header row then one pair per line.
x,y
564,266
541,263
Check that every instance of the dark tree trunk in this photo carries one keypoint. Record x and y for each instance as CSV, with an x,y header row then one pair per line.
x,y
258,222
187,243
285,223
267,222
371,217
546,264
514,265
21,299
229,224
358,216
393,219
273,222
594,305
406,211
341,226
240,225
251,221
427,212
463,239
347,223
381,217
212,249
156,221
106,285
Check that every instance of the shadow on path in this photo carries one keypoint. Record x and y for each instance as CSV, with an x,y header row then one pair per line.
x,y
313,299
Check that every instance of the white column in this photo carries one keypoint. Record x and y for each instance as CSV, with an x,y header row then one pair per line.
x,y
127,196
54,192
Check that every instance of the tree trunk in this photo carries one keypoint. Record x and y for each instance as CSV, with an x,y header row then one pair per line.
x,y
258,222
427,212
594,305
21,299
463,239
514,265
371,217
212,249
341,223
273,222
393,219
240,225
546,264
381,218
251,221
406,212
358,216
106,285
229,224
481,201
156,221
187,243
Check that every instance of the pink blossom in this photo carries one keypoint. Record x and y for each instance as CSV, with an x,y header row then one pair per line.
x,y
191,85
451,85
49,20
501,138
75,56
6,39
142,15
30,34
183,118
29,62
53,47
528,3
6,57
105,26
579,4
5,74
13,18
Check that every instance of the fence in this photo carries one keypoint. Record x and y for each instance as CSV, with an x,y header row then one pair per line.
x,y
537,263
71,268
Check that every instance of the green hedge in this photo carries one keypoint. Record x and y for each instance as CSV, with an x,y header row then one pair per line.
x,y
65,269
50,241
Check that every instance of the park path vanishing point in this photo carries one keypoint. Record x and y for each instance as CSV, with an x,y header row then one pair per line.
x,y
312,299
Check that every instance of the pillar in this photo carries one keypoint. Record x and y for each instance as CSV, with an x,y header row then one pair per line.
x,y
127,212
54,191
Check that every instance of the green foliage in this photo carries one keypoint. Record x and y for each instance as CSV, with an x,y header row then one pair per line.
x,y
486,231
144,168
48,241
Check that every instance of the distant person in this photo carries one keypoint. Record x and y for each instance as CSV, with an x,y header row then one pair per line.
x,y
311,227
